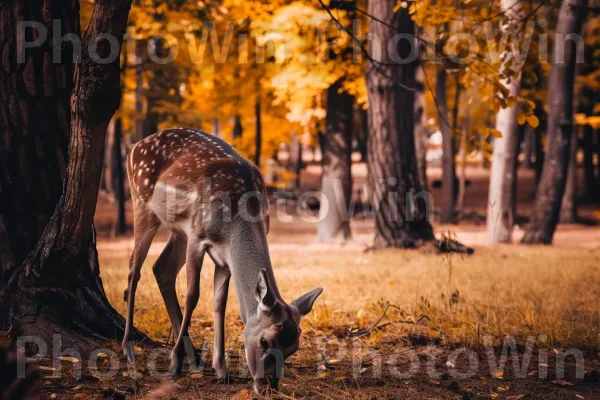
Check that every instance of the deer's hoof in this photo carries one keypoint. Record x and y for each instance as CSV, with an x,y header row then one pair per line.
x,y
175,367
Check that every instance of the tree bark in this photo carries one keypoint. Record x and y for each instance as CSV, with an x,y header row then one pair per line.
x,y
140,122
50,273
501,209
400,218
560,126
119,175
336,186
568,208
448,152
258,136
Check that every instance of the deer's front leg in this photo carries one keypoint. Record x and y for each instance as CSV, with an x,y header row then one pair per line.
x,y
195,256
222,276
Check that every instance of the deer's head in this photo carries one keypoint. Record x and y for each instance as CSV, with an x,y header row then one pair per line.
x,y
274,334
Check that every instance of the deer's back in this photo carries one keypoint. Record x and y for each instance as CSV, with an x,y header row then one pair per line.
x,y
175,171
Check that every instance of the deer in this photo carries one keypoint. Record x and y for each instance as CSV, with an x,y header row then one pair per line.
x,y
213,201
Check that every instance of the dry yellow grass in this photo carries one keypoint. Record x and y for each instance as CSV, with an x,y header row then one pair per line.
x,y
519,291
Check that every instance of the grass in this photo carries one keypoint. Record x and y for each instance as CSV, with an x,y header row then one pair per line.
x,y
517,291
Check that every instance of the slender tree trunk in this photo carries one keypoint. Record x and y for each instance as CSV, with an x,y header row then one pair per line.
x,y
501,210
528,147
588,163
400,218
237,127
296,158
119,183
538,149
421,130
140,123
560,126
568,208
462,178
448,162
258,136
107,171
50,273
336,186
364,134
216,127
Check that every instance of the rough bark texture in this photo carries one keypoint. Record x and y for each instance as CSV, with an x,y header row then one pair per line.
x,y
501,208
49,267
568,207
448,165
560,126
336,186
258,134
392,163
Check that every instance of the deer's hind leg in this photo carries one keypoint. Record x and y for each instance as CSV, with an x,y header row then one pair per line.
x,y
194,260
145,225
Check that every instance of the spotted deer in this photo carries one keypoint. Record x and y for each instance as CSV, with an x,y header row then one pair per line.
x,y
213,201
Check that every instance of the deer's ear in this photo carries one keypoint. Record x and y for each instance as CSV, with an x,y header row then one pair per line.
x,y
264,291
305,302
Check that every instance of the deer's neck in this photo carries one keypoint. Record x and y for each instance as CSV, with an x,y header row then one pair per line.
x,y
248,254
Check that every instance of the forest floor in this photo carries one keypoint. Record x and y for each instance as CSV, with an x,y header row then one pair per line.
x,y
390,324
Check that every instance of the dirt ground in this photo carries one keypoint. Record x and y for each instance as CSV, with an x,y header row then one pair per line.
x,y
394,324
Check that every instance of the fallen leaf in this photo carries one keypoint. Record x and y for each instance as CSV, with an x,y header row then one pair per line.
x,y
53,396
242,395
339,378
324,374
69,359
494,395
334,361
78,387
519,397
561,383
498,374
47,368
449,364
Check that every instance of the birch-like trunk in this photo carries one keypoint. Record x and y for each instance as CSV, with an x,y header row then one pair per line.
x,y
501,201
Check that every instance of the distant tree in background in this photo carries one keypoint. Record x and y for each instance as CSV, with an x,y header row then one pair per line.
x,y
393,177
550,191
336,181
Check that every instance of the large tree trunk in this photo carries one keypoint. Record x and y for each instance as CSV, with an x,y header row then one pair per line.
x,y
50,273
336,186
448,163
560,126
501,210
400,219
568,208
